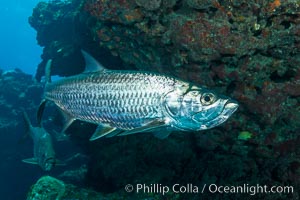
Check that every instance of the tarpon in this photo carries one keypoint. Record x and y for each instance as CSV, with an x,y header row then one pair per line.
x,y
43,152
125,102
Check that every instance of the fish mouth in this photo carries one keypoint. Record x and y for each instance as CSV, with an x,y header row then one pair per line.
x,y
230,107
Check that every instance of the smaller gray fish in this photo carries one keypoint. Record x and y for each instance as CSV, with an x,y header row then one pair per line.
x,y
43,152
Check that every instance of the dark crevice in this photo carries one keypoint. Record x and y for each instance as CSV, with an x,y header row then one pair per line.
x,y
287,76
286,24
258,90
177,6
213,10
269,22
257,33
231,87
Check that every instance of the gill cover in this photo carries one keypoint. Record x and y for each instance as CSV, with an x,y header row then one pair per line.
x,y
192,107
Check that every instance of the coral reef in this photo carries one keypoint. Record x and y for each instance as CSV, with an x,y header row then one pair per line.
x,y
47,188
245,49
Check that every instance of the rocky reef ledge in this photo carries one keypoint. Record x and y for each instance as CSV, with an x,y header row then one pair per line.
x,y
50,188
249,50
246,49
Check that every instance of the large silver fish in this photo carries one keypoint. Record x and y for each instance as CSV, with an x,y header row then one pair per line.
x,y
127,102
43,152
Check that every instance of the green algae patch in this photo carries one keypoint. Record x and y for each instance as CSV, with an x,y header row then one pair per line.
x,y
245,135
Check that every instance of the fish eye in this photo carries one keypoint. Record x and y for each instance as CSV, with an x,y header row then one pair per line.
x,y
207,98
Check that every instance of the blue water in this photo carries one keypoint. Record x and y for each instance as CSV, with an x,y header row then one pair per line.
x,y
19,47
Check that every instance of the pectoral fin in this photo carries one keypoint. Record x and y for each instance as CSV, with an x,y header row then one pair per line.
x,y
157,123
113,133
103,130
30,161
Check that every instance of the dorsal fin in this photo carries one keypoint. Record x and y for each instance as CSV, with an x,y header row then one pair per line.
x,y
27,121
28,126
91,64
40,112
48,71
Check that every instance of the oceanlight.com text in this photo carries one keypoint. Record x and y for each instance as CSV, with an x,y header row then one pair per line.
x,y
250,189
208,188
